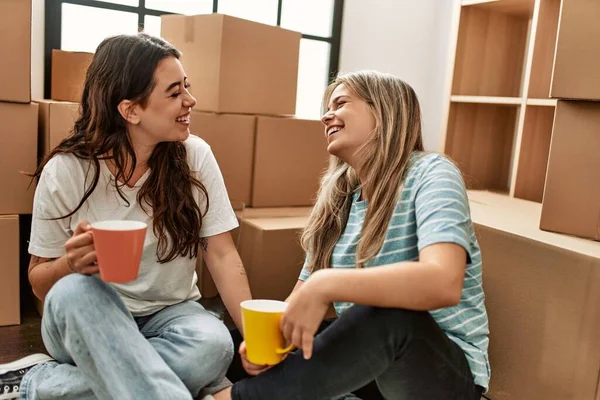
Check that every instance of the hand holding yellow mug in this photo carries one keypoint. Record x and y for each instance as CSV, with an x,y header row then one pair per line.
x,y
264,340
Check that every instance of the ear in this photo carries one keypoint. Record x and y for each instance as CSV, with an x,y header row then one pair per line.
x,y
129,111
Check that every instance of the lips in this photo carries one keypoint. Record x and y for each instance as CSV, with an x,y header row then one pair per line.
x,y
184,119
333,129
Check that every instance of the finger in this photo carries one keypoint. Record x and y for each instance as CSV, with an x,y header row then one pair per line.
x,y
286,329
88,259
82,227
90,270
297,338
307,345
80,240
242,349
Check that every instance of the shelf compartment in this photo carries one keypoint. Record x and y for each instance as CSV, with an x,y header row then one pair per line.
x,y
490,52
535,148
480,140
544,49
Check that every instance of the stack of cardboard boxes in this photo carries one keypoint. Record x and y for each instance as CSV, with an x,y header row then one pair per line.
x,y
571,201
18,146
244,76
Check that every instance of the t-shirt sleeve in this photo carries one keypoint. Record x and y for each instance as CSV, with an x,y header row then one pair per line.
x,y
305,272
51,201
442,206
220,217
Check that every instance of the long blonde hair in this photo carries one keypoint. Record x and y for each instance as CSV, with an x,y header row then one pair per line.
x,y
385,156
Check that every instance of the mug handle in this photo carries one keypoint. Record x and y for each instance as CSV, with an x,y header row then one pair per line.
x,y
286,350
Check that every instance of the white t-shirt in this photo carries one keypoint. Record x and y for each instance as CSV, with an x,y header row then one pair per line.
x,y
61,187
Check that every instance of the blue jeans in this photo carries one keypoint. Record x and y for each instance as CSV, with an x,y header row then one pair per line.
x,y
405,352
103,352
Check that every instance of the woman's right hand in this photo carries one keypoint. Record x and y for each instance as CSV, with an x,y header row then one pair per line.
x,y
251,369
81,254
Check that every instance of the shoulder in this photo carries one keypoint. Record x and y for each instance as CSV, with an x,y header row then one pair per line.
x,y
65,164
425,166
197,150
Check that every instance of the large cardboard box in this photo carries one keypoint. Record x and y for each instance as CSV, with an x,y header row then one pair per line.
x,y
206,284
10,313
235,65
56,121
68,74
15,47
18,154
271,252
542,297
577,59
231,138
289,160
571,202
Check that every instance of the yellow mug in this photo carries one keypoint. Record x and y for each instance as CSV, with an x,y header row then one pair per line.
x,y
264,340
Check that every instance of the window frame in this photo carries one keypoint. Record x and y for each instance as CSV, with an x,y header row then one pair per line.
x,y
53,29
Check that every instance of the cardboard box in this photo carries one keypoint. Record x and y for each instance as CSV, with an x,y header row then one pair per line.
x,y
68,74
10,311
18,153
271,252
231,138
15,47
56,121
571,202
542,297
577,59
235,65
289,160
206,284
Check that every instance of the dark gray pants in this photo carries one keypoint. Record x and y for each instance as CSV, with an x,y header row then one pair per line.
x,y
405,352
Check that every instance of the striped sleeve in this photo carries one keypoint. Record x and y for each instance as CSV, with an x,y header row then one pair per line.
x,y
441,206
305,273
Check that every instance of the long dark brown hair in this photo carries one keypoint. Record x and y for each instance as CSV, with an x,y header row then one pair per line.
x,y
123,68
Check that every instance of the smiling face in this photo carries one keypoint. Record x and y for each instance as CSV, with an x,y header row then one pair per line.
x,y
349,124
166,116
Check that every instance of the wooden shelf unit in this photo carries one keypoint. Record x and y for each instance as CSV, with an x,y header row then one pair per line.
x,y
499,114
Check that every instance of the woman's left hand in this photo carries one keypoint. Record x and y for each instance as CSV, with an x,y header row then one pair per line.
x,y
305,311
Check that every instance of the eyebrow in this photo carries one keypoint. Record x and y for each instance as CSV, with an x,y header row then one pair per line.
x,y
174,84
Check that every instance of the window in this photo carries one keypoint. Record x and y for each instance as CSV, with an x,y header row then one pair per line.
x,y
80,25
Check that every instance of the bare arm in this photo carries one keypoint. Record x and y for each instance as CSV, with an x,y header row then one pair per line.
x,y
435,281
228,272
45,272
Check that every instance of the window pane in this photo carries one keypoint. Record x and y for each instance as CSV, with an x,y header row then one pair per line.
x,y
83,28
187,7
264,11
312,17
152,25
313,71
133,3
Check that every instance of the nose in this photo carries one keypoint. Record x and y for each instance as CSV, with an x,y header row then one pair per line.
x,y
328,116
189,100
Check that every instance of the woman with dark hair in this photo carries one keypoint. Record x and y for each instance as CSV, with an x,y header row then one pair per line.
x,y
131,157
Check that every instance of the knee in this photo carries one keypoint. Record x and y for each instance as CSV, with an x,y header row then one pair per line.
x,y
77,291
206,354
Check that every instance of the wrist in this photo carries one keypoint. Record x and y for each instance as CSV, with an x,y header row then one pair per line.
x,y
321,284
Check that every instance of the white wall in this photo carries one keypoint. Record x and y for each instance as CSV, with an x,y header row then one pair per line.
x,y
407,38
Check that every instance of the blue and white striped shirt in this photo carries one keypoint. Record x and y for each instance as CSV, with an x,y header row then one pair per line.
x,y
433,208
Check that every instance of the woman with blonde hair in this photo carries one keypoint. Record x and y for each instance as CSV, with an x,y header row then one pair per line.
x,y
391,243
